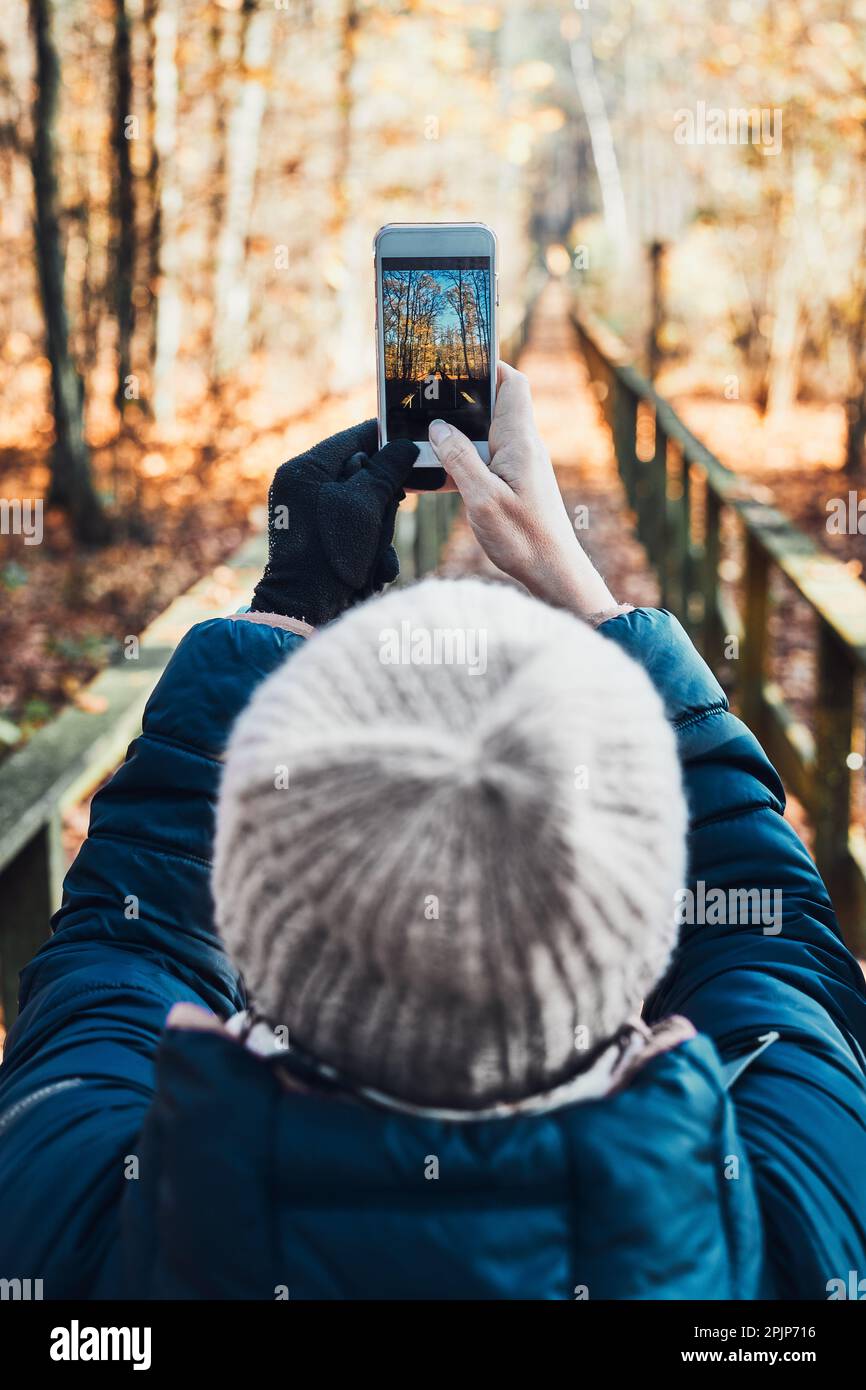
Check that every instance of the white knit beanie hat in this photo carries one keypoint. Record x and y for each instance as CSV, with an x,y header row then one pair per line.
x,y
450,833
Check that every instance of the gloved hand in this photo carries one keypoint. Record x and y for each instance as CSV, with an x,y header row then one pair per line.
x,y
331,515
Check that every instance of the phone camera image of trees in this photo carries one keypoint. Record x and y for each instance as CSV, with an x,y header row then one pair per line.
x,y
436,321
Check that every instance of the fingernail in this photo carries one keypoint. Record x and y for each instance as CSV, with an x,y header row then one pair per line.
x,y
439,431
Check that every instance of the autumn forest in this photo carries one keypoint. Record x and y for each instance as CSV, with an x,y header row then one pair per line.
x,y
189,191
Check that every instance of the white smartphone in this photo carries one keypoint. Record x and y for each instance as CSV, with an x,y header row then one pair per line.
x,y
437,293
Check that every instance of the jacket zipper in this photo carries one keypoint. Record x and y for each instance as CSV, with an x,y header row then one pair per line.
x,y
9,1117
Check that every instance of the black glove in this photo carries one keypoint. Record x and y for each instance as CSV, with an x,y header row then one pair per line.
x,y
331,515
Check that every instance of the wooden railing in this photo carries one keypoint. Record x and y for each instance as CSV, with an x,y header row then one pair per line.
x,y
680,494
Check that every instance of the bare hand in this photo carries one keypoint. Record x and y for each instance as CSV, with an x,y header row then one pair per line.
x,y
514,505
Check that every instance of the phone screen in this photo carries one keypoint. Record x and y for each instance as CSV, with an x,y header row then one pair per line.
x,y
436,328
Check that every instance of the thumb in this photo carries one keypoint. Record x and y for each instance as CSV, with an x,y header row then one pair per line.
x,y
459,457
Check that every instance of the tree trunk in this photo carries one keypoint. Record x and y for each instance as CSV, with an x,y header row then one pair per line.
x,y
783,363
786,282
124,202
149,14
71,480
461,319
347,250
232,293
169,200
602,144
481,296
223,41
404,345
342,162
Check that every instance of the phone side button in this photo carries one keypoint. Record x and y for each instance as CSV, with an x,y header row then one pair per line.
x,y
497,291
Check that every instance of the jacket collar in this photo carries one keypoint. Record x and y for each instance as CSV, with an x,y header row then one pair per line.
x,y
612,1067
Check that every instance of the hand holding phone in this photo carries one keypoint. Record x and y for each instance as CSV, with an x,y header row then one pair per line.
x,y
515,507
436,335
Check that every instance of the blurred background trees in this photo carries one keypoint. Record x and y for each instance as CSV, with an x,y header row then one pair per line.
x,y
207,177
71,483
188,195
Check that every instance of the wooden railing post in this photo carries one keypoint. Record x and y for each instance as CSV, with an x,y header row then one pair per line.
x,y
625,435
608,380
831,809
753,658
30,892
676,533
426,535
449,506
434,517
405,529
656,501
712,636
643,487
687,557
